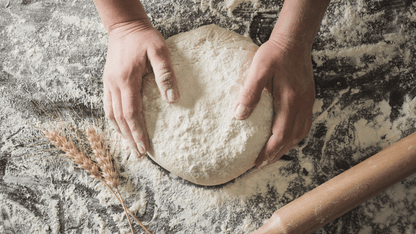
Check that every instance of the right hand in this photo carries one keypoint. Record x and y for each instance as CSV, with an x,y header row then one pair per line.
x,y
135,48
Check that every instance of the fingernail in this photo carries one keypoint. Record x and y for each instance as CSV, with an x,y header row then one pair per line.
x,y
172,94
241,112
263,164
140,146
133,148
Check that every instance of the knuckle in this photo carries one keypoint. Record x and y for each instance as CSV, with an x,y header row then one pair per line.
x,y
137,132
161,50
165,77
251,94
130,116
290,96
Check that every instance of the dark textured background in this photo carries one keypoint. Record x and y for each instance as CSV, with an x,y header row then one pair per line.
x,y
43,57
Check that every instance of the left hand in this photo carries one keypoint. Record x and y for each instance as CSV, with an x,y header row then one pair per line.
x,y
284,68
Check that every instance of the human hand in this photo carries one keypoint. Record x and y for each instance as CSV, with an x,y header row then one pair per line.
x,y
284,69
135,48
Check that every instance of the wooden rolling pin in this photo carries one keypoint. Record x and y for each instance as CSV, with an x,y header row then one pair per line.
x,y
345,191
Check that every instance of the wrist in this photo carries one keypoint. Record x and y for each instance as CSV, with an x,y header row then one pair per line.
x,y
299,22
119,13
291,39
290,44
137,25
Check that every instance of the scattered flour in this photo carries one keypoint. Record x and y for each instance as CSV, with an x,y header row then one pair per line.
x,y
170,204
229,5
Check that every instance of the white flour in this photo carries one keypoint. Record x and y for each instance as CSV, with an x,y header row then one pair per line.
x,y
228,5
54,188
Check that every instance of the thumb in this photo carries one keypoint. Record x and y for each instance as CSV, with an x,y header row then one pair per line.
x,y
250,94
164,75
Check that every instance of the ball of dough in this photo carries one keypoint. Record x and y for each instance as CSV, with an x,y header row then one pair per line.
x,y
198,137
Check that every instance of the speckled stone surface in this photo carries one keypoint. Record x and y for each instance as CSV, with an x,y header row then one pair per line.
x,y
364,61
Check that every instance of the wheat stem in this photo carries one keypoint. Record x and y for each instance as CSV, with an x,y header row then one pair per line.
x,y
120,200
125,210
104,159
137,220
132,215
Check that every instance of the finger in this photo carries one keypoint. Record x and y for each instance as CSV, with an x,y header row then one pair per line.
x,y
298,128
258,76
273,145
280,140
301,124
298,133
282,152
308,125
164,74
303,121
108,109
132,111
121,120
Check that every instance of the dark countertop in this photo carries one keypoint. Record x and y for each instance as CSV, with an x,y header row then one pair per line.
x,y
53,52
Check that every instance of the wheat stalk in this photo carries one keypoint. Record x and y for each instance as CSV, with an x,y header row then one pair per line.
x,y
84,162
102,169
107,175
98,145
104,159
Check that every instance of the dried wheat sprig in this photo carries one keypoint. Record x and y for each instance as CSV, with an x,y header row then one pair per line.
x,y
72,152
105,160
84,162
66,144
108,174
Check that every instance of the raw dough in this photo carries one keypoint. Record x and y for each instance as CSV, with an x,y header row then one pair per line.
x,y
198,138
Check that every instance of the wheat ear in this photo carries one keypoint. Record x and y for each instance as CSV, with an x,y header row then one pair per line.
x,y
104,159
72,152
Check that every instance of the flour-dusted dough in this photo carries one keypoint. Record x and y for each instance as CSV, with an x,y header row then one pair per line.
x,y
198,138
